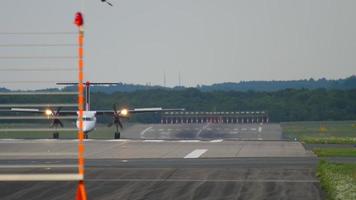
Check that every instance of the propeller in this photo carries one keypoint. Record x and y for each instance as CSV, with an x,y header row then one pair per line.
x,y
105,1
56,122
116,119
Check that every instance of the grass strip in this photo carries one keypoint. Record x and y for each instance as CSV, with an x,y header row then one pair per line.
x,y
328,140
337,180
335,152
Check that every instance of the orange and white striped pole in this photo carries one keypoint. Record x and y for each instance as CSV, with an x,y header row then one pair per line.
x,y
79,21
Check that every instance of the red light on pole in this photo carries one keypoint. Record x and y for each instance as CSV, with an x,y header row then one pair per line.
x,y
79,21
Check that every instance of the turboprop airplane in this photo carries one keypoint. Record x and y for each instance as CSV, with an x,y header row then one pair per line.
x,y
89,116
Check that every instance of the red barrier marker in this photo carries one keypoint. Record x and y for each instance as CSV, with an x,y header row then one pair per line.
x,y
79,21
81,194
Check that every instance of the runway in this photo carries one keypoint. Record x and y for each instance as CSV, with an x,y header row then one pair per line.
x,y
253,163
242,178
130,149
204,131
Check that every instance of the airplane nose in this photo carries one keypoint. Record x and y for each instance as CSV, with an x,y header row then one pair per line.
x,y
85,127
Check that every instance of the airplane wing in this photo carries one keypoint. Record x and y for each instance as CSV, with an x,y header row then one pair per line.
x,y
144,110
42,111
124,112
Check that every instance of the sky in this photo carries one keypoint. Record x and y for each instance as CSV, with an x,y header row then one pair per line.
x,y
206,41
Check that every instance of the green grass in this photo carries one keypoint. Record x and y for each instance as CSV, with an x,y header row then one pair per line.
x,y
328,140
338,180
329,132
335,152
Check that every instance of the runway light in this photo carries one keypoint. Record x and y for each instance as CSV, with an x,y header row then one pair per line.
x,y
124,112
48,112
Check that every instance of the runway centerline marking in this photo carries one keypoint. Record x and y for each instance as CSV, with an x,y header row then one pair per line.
x,y
196,153
260,129
142,134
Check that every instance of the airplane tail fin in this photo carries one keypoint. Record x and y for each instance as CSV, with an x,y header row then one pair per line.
x,y
87,89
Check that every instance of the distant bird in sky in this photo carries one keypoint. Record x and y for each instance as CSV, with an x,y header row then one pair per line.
x,y
107,2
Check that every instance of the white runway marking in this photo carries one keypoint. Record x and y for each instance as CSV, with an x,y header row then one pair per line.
x,y
244,129
153,140
216,141
38,166
253,129
142,134
38,154
260,129
10,139
196,153
41,177
117,140
188,140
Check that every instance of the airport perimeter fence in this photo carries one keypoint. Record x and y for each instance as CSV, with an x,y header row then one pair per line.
x,y
41,59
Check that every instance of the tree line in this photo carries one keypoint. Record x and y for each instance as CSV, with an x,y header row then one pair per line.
x,y
282,105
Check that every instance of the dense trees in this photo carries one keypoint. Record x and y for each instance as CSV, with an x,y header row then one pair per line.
x,y
341,84
283,105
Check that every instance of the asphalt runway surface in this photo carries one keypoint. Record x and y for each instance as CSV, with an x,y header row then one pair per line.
x,y
131,149
154,179
204,131
254,164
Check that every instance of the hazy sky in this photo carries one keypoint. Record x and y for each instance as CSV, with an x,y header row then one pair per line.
x,y
207,41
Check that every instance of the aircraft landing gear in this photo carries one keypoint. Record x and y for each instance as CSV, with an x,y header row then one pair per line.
x,y
117,135
55,135
86,136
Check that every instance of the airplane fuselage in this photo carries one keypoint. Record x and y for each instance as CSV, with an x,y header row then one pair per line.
x,y
89,121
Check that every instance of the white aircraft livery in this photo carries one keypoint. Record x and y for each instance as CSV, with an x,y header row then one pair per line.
x,y
89,116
